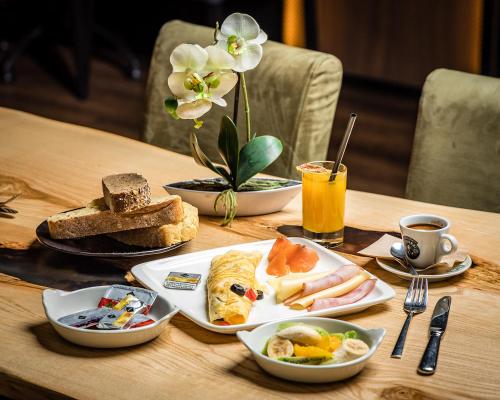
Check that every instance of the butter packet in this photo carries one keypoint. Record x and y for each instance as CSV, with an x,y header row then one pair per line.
x,y
84,319
182,281
117,293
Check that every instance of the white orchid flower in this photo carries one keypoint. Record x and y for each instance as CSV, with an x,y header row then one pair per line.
x,y
200,77
242,37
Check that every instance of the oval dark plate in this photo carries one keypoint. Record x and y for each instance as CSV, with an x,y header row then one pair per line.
x,y
97,246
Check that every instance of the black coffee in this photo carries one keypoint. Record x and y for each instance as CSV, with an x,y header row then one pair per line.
x,y
424,227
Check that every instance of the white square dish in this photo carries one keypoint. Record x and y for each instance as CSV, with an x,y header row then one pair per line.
x,y
193,304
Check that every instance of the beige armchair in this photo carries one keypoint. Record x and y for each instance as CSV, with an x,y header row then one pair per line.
x,y
456,151
293,95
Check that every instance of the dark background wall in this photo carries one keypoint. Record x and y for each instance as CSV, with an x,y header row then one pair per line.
x,y
70,60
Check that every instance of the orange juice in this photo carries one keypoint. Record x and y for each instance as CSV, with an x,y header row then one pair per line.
x,y
323,202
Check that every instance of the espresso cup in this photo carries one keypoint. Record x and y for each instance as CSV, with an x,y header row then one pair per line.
x,y
426,239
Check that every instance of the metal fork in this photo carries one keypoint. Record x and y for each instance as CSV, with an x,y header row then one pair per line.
x,y
415,303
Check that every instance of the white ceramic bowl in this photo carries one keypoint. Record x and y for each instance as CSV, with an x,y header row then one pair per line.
x,y
249,203
255,341
58,303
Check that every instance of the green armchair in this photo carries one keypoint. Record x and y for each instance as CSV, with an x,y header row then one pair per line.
x,y
456,151
293,95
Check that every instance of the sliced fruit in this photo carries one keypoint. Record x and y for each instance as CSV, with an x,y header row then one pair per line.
x,y
355,348
285,325
280,244
279,347
339,335
302,260
310,351
303,360
351,334
278,266
302,334
334,343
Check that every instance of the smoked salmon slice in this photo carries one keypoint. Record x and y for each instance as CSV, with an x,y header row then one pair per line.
x,y
286,257
278,266
302,260
280,244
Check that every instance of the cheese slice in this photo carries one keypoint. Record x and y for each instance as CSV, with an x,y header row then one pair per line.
x,y
292,283
275,282
334,291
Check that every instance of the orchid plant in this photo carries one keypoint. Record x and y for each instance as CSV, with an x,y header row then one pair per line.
x,y
202,76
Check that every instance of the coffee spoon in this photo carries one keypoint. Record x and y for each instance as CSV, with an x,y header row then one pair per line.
x,y
398,252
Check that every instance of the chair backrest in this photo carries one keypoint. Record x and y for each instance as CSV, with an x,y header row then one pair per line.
x,y
293,95
456,152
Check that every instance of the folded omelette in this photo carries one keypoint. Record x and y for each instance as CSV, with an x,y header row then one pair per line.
x,y
227,269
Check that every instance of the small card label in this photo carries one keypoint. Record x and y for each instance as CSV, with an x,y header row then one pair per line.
x,y
182,281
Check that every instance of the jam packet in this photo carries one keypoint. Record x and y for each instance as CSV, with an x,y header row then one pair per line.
x,y
139,320
117,293
122,312
84,319
182,281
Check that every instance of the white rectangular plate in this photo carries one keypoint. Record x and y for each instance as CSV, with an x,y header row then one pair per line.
x,y
193,304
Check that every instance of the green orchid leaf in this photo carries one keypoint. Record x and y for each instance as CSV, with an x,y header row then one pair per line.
x,y
257,155
201,158
229,146
171,106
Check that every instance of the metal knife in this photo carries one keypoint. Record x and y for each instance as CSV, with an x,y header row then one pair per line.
x,y
438,326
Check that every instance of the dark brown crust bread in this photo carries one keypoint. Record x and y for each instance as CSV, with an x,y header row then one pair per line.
x,y
125,192
96,218
165,235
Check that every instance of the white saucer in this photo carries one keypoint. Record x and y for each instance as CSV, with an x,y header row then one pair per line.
x,y
456,270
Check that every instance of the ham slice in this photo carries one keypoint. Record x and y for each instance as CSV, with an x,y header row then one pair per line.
x,y
335,278
335,291
349,298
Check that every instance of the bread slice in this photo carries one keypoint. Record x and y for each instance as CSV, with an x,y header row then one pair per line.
x,y
165,235
96,218
125,192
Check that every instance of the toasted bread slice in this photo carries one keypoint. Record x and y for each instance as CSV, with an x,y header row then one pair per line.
x,y
125,192
165,235
96,218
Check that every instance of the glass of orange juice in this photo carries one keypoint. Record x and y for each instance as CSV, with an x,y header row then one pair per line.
x,y
323,202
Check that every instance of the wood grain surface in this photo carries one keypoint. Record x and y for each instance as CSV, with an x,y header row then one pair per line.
x,y
57,166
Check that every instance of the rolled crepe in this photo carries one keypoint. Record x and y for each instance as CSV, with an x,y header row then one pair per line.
x,y
226,270
335,291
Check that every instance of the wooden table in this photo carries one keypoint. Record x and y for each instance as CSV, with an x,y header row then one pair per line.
x,y
57,166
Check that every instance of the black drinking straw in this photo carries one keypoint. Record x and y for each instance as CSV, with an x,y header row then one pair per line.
x,y
343,145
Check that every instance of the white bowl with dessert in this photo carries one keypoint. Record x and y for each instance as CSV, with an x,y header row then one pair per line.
x,y
312,350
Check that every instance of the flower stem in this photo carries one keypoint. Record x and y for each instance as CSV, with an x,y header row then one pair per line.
x,y
228,200
236,103
247,106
